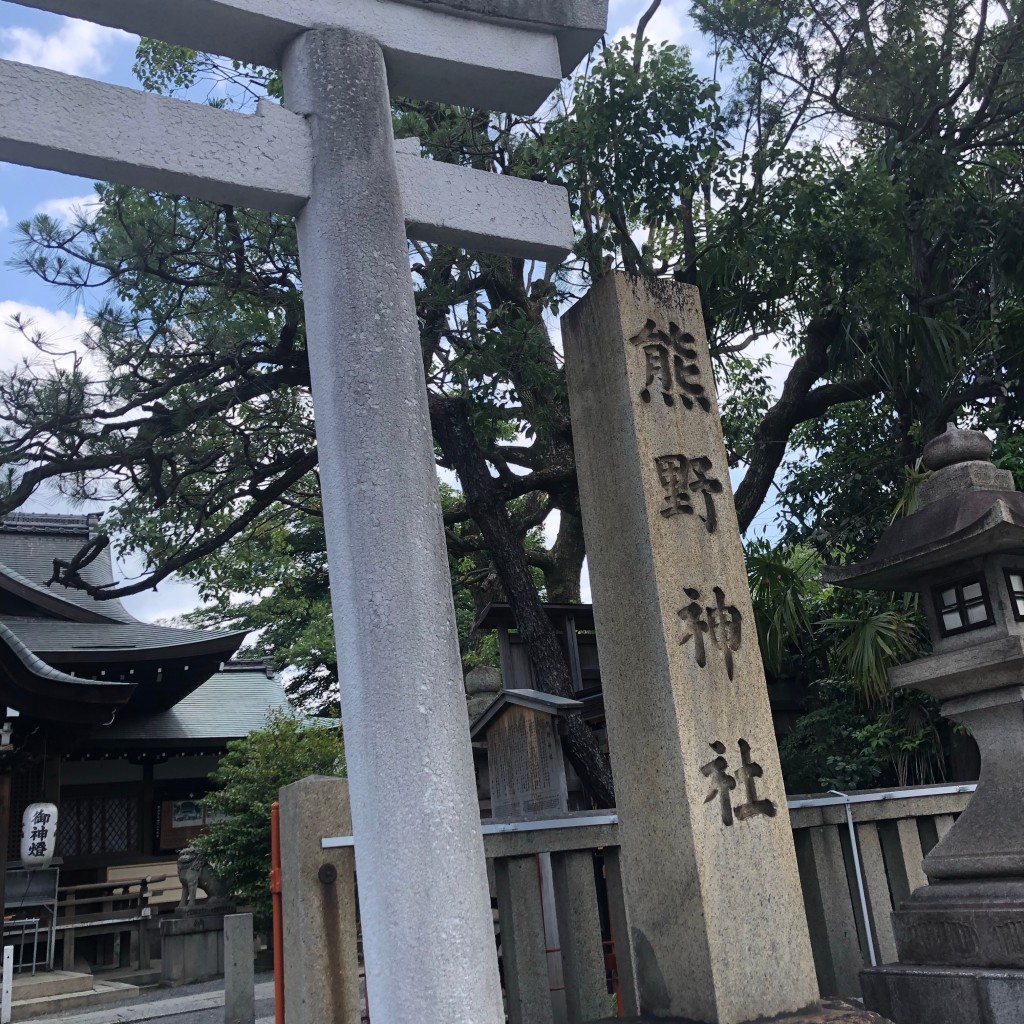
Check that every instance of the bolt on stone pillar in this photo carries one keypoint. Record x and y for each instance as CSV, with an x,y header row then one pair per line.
x,y
712,896
427,933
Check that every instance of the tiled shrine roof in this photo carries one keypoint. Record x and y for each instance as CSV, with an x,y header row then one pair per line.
x,y
104,656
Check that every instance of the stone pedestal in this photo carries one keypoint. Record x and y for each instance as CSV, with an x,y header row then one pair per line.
x,y
192,945
831,1012
715,912
945,995
318,905
967,924
239,970
960,939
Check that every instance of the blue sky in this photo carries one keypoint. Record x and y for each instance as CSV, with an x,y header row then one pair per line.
x,y
80,48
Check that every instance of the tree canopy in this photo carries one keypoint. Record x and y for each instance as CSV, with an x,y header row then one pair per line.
x,y
844,188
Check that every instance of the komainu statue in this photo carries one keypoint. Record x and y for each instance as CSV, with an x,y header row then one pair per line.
x,y
195,872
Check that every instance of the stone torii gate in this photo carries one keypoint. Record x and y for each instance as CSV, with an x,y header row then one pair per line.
x,y
330,158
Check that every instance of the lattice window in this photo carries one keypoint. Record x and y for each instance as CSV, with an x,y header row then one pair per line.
x,y
99,825
1015,585
963,606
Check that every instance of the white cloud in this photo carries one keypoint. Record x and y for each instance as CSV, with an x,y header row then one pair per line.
x,y
75,47
4,220
69,208
669,24
63,329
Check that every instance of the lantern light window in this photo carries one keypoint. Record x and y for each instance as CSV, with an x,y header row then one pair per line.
x,y
964,605
1015,585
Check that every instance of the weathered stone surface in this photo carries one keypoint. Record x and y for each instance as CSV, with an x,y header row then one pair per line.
x,y
431,54
978,476
988,839
977,935
64,123
483,684
956,446
578,24
321,963
975,669
192,947
829,1012
976,923
484,679
712,892
554,13
59,122
239,970
414,803
944,995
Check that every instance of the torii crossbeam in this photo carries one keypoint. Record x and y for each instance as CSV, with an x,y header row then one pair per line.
x,y
331,159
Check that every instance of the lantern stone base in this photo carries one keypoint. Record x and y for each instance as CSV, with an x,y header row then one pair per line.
x,y
829,1012
963,924
908,994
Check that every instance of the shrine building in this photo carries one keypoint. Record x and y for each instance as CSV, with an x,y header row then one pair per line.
x,y
116,721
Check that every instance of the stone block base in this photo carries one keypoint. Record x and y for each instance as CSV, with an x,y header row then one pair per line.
x,y
944,995
963,924
828,1012
191,947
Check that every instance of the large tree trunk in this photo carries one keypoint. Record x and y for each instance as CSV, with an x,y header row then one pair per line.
x,y
486,505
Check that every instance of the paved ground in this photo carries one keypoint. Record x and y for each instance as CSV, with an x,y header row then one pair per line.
x,y
186,1004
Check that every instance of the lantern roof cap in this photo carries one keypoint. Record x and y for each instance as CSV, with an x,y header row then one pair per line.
x,y
968,508
954,446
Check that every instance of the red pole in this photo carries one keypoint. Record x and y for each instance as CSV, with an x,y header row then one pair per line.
x,y
275,898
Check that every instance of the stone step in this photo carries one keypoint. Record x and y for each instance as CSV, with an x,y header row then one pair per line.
x,y
50,983
102,992
141,977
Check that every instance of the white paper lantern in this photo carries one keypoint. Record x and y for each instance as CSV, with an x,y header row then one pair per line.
x,y
38,835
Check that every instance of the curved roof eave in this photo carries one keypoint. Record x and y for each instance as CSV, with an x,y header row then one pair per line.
x,y
35,688
45,599
998,528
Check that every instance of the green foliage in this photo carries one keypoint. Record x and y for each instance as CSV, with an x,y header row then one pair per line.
x,y
785,588
641,139
845,743
291,620
246,783
874,641
854,200
836,646
825,750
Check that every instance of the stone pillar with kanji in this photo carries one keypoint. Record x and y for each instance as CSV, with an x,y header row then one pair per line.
x,y
712,893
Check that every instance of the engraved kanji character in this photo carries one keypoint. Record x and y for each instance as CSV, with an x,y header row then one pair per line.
x,y
39,833
37,850
748,774
722,783
40,817
708,486
671,360
722,623
726,624
696,625
682,478
674,474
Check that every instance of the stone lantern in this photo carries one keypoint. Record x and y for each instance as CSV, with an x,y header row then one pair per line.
x,y
960,939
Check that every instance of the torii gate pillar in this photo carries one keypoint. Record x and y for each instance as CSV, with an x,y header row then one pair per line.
x,y
428,936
